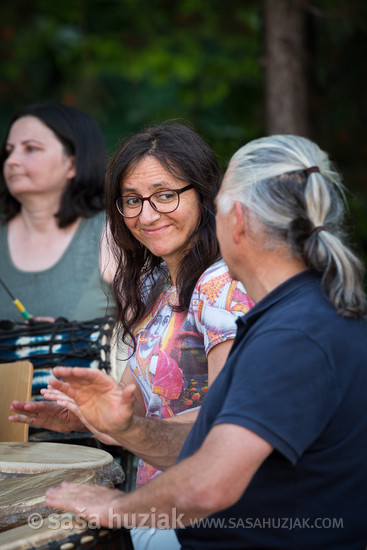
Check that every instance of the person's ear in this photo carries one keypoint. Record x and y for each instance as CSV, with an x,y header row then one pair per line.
x,y
239,228
72,168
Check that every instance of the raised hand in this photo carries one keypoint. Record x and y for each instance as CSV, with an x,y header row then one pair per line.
x,y
50,416
104,405
67,402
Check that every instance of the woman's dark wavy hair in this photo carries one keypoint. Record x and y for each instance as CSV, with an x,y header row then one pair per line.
x,y
81,136
186,156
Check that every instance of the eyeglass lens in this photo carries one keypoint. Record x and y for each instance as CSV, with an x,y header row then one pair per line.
x,y
163,201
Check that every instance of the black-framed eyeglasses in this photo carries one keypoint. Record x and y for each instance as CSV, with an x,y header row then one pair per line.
x,y
164,202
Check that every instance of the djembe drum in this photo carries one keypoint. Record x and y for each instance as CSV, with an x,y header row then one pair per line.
x,y
90,344
27,470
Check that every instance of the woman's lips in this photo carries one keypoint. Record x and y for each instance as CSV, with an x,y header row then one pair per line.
x,y
155,230
15,177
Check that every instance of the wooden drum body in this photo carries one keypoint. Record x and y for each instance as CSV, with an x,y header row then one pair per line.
x,y
27,470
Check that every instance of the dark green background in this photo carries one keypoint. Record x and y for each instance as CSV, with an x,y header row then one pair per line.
x,y
131,63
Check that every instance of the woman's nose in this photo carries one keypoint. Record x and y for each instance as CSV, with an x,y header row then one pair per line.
x,y
12,157
148,213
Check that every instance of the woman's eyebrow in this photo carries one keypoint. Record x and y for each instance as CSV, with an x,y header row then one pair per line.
x,y
153,186
25,142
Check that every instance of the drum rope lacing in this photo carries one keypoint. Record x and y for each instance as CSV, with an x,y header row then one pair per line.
x,y
50,344
93,538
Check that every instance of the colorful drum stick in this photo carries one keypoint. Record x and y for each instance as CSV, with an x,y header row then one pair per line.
x,y
18,304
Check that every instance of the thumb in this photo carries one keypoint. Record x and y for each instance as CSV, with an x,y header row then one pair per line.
x,y
128,393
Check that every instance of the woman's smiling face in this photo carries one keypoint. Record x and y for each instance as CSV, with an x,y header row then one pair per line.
x,y
165,235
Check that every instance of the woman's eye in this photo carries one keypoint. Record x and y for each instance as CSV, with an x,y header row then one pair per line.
x,y
166,196
132,201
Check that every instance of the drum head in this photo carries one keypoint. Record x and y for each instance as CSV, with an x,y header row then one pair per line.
x,y
32,458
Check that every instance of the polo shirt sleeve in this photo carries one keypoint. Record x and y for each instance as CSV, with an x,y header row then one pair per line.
x,y
282,388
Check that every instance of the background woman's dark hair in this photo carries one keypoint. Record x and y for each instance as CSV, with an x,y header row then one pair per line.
x,y
81,136
186,156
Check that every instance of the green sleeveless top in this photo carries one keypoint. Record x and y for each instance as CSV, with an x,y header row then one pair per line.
x,y
71,288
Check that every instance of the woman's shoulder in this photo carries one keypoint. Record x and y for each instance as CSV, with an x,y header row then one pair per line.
x,y
3,234
93,227
216,286
98,220
3,221
218,270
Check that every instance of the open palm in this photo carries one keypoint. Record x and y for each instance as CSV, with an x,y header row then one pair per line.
x,y
104,405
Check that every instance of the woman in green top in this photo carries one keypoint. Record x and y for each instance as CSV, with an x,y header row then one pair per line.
x,y
52,164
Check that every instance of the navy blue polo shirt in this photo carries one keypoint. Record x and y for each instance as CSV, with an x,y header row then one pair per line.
x,y
297,377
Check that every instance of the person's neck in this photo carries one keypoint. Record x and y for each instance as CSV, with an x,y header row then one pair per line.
x,y
37,221
268,274
37,214
172,272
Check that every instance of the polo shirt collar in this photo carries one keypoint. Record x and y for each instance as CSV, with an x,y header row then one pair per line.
x,y
281,292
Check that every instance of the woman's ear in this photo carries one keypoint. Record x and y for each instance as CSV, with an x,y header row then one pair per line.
x,y
72,168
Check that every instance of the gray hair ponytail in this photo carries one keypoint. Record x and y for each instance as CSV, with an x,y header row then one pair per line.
x,y
291,187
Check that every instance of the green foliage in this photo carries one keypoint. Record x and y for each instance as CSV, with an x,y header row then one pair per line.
x,y
131,63
338,33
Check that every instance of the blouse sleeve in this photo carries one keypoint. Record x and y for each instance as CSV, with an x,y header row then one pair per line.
x,y
216,303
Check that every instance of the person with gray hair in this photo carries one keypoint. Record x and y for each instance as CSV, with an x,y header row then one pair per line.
x,y
277,456
291,187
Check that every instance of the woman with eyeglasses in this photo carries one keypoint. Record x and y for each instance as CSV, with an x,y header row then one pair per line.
x,y
177,303
171,282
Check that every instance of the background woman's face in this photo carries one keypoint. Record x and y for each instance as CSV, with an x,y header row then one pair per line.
x,y
36,160
165,235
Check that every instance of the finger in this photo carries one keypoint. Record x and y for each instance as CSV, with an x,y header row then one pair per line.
x,y
73,407
128,393
61,386
60,372
62,497
78,373
20,418
20,411
50,388
30,406
17,405
66,404
53,395
36,406
70,496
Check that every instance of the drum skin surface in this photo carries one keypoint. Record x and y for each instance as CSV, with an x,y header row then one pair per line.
x,y
33,458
